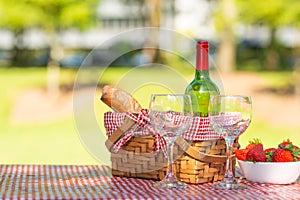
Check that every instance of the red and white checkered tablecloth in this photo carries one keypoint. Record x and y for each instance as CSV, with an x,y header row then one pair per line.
x,y
96,182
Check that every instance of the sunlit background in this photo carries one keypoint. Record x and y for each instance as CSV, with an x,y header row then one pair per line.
x,y
255,49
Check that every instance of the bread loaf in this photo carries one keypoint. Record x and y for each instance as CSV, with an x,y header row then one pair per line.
x,y
119,100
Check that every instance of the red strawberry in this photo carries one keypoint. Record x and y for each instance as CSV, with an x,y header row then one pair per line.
x,y
269,150
254,142
285,144
269,153
297,152
294,150
241,154
256,154
282,155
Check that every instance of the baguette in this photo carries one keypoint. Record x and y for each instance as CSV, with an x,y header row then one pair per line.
x,y
119,100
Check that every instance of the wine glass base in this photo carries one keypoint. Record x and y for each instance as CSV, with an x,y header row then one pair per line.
x,y
229,185
170,184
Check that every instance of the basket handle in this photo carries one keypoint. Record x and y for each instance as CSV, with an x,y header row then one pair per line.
x,y
191,151
113,138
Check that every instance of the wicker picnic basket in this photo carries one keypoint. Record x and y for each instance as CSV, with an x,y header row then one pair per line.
x,y
196,161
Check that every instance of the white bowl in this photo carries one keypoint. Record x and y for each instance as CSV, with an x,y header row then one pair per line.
x,y
271,172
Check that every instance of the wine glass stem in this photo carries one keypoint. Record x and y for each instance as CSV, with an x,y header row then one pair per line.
x,y
170,169
229,168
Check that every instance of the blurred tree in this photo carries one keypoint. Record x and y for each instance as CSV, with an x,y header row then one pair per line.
x,y
154,14
150,11
53,16
225,18
58,15
273,14
12,18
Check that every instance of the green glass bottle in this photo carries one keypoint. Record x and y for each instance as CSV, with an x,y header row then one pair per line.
x,y
202,87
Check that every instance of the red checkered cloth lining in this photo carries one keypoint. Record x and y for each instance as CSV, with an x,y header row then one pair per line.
x,y
199,129
113,120
96,182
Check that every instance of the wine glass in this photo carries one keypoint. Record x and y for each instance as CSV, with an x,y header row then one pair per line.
x,y
230,116
170,116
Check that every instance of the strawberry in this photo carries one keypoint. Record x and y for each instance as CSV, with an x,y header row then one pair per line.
x,y
254,142
282,155
256,154
285,144
285,152
269,150
294,150
269,153
241,154
297,149
296,153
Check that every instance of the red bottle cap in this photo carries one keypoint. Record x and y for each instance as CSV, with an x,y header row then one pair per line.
x,y
203,44
202,55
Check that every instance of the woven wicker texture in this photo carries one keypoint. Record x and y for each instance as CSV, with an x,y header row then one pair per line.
x,y
196,161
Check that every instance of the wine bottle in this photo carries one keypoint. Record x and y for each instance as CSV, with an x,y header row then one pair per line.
x,y
202,87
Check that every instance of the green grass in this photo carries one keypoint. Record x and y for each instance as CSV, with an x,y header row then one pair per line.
x,y
270,134
278,80
57,141
52,142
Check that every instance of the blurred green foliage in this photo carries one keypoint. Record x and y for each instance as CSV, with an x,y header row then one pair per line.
x,y
272,14
51,15
13,17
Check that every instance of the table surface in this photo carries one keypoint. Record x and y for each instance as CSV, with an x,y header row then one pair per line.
x,y
96,182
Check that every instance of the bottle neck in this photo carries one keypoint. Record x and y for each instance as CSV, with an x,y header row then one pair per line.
x,y
202,58
202,64
201,74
